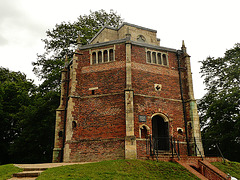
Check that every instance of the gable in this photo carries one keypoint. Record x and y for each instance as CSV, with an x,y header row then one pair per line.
x,y
138,34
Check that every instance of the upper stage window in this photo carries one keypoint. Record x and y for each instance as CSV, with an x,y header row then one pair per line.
x,y
102,56
141,38
155,57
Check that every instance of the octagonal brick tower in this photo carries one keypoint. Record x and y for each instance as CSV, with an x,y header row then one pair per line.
x,y
123,92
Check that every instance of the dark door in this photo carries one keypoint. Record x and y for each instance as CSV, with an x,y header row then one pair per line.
x,y
160,133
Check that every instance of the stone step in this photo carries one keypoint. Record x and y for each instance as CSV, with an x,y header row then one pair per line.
x,y
23,178
28,174
34,169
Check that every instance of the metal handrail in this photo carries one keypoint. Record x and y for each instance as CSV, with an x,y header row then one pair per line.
x,y
220,152
196,147
151,145
154,146
174,148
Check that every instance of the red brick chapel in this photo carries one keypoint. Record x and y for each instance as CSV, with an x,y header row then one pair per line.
x,y
124,96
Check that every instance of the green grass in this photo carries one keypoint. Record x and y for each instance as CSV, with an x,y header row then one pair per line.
x,y
232,168
119,169
7,170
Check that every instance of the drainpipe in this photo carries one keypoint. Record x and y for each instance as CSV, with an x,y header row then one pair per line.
x,y
179,52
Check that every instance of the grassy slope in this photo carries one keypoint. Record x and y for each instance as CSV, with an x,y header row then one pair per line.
x,y
119,169
232,168
7,170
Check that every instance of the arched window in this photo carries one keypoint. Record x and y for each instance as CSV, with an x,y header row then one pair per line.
x,y
102,56
99,57
149,57
164,59
143,132
159,58
94,60
74,124
105,56
154,57
111,55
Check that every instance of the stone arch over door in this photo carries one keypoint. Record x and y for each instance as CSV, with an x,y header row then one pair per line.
x,y
160,132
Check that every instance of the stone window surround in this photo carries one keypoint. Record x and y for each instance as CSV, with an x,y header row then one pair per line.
x,y
141,127
102,51
156,57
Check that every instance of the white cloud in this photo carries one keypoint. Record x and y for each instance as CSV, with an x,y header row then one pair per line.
x,y
208,27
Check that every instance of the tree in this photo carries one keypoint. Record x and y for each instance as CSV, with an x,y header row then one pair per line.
x,y
219,108
27,119
35,142
62,41
27,112
15,95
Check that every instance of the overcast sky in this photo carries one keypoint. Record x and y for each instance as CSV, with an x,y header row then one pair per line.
x,y
208,27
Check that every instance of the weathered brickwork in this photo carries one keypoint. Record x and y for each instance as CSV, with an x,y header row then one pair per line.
x,y
92,150
100,117
149,106
142,148
110,109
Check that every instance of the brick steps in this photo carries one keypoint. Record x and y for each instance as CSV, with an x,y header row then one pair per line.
x,y
192,170
202,168
211,172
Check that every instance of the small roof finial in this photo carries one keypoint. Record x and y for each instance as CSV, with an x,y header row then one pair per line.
x,y
66,61
184,49
183,44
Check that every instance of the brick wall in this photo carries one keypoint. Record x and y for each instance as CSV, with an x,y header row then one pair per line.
x,y
97,150
100,115
148,101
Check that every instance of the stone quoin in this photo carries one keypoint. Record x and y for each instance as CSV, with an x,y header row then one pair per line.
x,y
122,91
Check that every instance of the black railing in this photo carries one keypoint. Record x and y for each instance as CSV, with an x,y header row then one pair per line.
x,y
213,148
220,152
161,145
173,149
197,148
172,146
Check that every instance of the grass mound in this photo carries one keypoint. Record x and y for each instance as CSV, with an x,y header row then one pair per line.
x,y
232,168
119,169
7,170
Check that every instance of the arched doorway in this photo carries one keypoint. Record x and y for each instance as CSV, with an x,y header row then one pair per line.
x,y
160,133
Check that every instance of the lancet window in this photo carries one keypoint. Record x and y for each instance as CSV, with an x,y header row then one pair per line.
x,y
155,57
102,56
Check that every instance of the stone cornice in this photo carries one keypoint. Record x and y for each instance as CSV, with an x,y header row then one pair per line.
x,y
89,46
126,40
